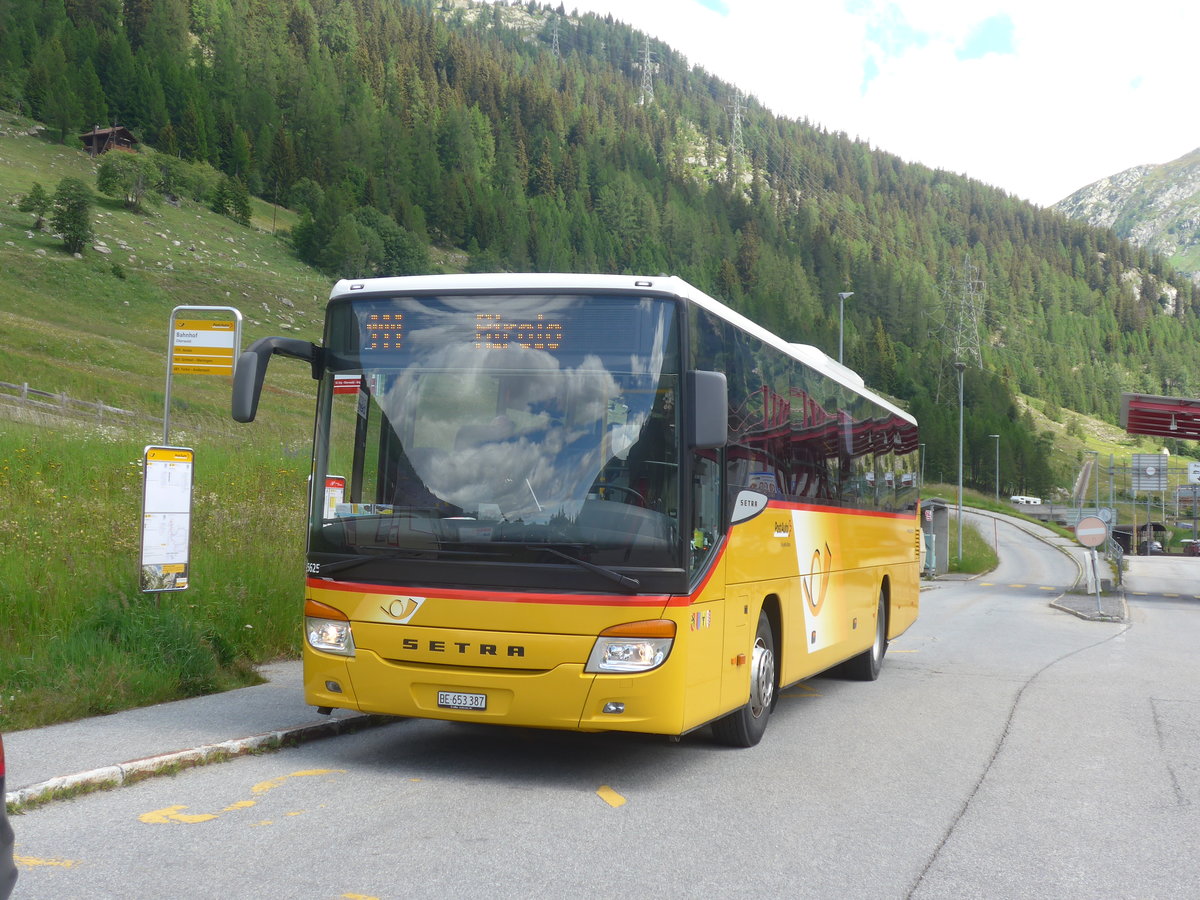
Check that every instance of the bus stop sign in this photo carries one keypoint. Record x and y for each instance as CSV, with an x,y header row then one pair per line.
x,y
1092,531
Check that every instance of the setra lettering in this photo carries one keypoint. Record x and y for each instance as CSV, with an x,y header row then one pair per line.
x,y
462,648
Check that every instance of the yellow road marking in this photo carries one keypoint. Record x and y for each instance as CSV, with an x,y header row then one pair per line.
x,y
1047,588
609,796
32,862
263,786
172,814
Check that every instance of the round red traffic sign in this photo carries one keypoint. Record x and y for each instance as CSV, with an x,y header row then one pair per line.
x,y
1092,531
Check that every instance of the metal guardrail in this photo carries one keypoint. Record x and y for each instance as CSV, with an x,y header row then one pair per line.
x,y
1116,553
24,396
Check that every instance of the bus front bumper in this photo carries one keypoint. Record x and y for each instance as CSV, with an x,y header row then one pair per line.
x,y
564,697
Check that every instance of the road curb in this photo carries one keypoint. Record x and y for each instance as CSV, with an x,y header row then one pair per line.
x,y
106,777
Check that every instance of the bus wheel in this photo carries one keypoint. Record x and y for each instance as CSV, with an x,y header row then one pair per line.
x,y
745,727
866,666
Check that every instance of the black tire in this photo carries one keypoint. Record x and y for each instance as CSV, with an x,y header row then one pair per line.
x,y
866,666
745,727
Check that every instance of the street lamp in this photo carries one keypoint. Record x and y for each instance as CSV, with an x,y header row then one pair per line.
x,y
960,366
842,318
997,437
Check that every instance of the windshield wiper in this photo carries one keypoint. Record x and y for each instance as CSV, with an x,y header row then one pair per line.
x,y
624,581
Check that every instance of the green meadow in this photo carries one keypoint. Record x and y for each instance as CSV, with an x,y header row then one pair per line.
x,y
77,635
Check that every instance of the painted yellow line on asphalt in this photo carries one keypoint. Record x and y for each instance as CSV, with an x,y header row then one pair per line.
x,y
32,862
609,796
1046,587
1018,585
174,814
263,786
171,814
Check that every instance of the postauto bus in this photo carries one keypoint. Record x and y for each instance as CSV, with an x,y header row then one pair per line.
x,y
590,502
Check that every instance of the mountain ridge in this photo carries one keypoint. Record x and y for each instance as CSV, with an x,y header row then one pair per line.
x,y
1156,206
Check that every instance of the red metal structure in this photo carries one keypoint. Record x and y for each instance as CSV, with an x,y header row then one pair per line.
x,y
1168,417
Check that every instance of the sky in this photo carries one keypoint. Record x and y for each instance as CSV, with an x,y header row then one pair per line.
x,y
1037,97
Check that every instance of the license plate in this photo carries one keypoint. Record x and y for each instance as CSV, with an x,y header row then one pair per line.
x,y
455,700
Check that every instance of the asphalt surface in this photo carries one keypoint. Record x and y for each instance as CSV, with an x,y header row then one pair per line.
x,y
111,750
107,751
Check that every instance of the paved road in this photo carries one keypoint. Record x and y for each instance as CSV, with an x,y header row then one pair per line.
x,y
1010,750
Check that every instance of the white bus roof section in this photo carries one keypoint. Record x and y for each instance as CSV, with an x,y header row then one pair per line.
x,y
664,284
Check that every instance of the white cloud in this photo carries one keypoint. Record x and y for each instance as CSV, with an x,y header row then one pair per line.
x,y
1088,90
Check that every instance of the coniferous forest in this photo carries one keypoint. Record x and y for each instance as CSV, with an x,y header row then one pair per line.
x,y
527,138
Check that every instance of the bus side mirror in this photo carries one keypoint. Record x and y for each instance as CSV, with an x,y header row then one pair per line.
x,y
709,410
252,368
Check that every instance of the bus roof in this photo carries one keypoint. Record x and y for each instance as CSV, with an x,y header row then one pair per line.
x,y
663,284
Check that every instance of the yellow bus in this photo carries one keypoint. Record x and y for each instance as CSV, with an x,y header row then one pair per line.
x,y
590,502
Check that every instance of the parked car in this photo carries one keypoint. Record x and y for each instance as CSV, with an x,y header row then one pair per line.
x,y
1191,547
1150,548
8,868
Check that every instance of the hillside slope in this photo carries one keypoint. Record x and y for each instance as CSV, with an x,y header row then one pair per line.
x,y
1155,206
520,138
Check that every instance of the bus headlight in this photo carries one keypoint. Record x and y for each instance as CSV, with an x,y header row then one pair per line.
x,y
632,647
327,629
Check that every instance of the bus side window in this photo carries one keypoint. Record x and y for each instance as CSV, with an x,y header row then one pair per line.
x,y
706,512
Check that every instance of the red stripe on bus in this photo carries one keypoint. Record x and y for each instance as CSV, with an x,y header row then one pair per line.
x,y
491,596
515,597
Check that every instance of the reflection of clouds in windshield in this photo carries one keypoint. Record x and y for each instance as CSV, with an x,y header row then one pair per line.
x,y
545,446
652,364
512,427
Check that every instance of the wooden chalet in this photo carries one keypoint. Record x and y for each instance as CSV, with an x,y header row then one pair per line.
x,y
101,140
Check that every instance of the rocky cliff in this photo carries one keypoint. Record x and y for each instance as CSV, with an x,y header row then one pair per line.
x,y
1157,207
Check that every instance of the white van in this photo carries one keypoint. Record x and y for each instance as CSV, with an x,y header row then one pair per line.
x,y
1022,500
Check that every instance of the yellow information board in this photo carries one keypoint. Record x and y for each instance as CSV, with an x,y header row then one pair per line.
x,y
203,346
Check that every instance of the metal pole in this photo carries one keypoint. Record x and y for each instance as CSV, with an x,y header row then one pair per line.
x,y
842,318
997,437
1112,499
960,366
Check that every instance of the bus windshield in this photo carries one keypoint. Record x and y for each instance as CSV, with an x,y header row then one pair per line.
x,y
503,428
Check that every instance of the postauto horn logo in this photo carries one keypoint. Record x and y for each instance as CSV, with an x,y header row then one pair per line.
x,y
402,609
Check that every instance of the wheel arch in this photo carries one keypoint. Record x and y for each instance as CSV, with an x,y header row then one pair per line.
x,y
885,590
772,605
